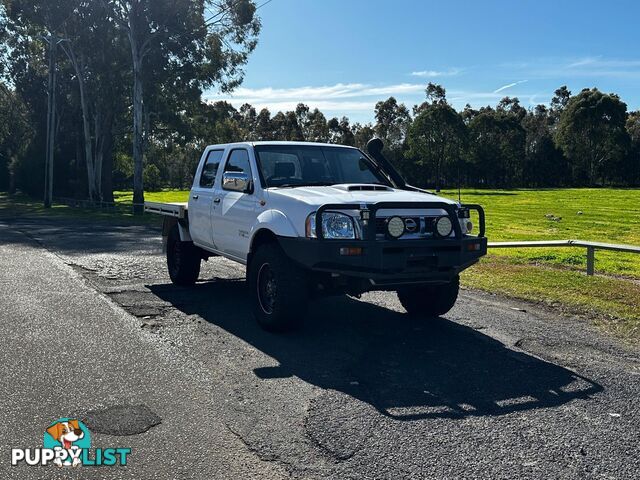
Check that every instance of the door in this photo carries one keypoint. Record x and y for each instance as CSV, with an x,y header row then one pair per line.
x,y
234,212
201,199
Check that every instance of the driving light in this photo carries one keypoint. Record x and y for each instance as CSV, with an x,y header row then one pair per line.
x,y
395,227
444,227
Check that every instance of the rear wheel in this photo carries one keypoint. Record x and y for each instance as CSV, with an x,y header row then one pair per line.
x,y
278,289
183,259
430,300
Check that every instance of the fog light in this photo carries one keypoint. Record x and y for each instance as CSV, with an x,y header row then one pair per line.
x,y
444,227
395,227
473,247
350,251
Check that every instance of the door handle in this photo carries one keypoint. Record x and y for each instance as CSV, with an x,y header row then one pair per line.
x,y
195,197
216,200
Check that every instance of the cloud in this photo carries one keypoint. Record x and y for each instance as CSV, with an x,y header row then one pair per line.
x,y
509,85
436,73
355,100
308,93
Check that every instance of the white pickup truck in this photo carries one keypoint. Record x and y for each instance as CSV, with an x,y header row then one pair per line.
x,y
309,219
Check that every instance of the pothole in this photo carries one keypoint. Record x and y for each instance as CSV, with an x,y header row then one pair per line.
x,y
121,420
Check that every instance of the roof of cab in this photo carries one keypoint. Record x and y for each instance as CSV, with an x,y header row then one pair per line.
x,y
268,142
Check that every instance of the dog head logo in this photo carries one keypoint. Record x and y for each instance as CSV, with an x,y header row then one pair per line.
x,y
70,435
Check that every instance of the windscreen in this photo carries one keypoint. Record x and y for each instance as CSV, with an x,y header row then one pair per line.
x,y
294,165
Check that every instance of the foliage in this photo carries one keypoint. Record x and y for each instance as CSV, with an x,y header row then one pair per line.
x,y
151,175
436,138
131,75
591,133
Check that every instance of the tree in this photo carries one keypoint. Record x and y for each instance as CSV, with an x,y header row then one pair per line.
x,y
392,123
436,136
559,102
340,131
544,164
591,132
15,135
169,38
496,149
632,167
362,134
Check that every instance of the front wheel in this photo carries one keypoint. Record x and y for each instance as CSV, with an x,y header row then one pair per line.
x,y
183,259
278,289
430,300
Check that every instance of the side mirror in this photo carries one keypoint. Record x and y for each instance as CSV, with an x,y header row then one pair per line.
x,y
236,181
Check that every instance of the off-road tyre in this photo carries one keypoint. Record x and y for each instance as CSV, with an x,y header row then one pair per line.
x,y
278,288
183,259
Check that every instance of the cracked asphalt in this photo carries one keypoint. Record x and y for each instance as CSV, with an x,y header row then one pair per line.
x,y
494,389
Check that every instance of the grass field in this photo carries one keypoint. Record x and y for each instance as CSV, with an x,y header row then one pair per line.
x,y
555,276
550,276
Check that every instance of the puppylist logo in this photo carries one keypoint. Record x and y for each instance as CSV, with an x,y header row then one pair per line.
x,y
67,443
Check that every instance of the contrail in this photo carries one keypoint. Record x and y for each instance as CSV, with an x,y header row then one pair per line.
x,y
509,85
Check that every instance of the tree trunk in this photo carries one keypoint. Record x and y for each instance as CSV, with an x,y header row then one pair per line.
x,y
88,147
138,191
93,181
105,148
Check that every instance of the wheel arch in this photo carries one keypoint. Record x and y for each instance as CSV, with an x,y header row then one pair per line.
x,y
262,236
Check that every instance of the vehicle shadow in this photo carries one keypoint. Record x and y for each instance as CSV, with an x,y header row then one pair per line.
x,y
406,368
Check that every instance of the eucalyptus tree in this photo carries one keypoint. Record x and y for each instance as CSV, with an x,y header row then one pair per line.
x,y
189,44
591,132
392,122
633,160
437,136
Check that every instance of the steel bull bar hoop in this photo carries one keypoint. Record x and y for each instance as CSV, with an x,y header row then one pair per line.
x,y
480,210
369,231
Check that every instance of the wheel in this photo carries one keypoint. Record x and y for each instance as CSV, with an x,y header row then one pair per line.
x,y
430,300
183,259
279,289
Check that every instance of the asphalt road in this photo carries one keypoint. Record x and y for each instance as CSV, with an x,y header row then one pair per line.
x,y
495,389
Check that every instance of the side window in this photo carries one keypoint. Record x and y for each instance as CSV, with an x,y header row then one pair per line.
x,y
210,168
238,162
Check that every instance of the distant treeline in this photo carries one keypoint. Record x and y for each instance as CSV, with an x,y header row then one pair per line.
x,y
128,66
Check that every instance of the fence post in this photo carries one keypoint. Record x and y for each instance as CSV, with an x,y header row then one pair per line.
x,y
591,260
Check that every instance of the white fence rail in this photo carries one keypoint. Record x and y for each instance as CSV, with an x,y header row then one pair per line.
x,y
590,246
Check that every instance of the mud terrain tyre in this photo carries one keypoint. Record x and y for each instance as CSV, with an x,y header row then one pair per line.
x,y
278,289
183,259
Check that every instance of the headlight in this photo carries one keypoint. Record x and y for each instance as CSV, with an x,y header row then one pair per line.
x,y
334,226
444,227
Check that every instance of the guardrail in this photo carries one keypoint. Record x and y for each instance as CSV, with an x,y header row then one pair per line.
x,y
590,246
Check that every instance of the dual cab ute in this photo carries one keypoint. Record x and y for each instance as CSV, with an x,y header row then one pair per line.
x,y
309,219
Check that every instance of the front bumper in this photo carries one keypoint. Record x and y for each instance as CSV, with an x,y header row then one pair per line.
x,y
387,262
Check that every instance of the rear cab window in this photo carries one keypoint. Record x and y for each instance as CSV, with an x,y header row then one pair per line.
x,y
210,168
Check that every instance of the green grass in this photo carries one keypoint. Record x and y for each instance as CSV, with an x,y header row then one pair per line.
x,y
169,195
20,205
555,276
607,215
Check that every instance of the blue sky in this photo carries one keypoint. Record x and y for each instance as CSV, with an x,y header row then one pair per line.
x,y
343,56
